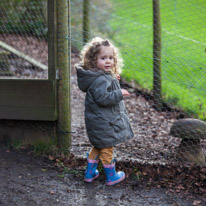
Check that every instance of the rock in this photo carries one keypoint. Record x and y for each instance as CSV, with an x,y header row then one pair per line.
x,y
191,151
189,129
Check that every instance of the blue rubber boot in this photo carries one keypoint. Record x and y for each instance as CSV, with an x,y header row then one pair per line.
x,y
113,177
91,172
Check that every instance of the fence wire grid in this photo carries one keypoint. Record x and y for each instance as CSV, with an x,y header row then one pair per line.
x,y
129,24
177,133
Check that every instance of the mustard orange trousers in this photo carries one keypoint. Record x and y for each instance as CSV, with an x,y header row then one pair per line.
x,y
104,154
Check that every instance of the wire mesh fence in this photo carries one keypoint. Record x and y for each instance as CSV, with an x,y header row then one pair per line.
x,y
129,24
23,34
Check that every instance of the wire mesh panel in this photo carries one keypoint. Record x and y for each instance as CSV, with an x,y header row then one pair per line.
x,y
28,97
23,39
162,44
130,25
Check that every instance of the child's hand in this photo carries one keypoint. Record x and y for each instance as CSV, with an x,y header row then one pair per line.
x,y
125,92
118,76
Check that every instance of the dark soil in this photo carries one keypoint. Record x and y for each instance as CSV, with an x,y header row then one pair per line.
x,y
31,180
155,176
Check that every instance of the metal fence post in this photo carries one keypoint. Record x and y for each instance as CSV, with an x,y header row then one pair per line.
x,y
63,65
157,82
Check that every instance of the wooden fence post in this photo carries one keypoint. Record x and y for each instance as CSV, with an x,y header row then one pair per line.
x,y
85,21
52,39
157,81
63,65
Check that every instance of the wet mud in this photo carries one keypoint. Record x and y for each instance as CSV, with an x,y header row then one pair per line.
x,y
30,180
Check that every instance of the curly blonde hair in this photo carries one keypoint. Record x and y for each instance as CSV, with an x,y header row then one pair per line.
x,y
91,50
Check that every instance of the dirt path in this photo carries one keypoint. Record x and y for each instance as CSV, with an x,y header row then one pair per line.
x,y
28,180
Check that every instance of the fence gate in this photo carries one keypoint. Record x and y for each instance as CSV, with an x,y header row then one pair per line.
x,y
28,107
27,99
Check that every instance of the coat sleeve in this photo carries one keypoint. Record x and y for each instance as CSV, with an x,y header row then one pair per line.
x,y
101,94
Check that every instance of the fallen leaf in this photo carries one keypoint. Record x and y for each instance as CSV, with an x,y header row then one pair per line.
x,y
51,192
180,187
196,202
51,157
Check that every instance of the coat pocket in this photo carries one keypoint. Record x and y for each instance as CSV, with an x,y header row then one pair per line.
x,y
119,123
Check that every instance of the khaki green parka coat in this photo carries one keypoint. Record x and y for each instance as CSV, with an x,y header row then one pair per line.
x,y
106,118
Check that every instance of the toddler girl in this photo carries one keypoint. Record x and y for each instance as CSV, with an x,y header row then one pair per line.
x,y
106,118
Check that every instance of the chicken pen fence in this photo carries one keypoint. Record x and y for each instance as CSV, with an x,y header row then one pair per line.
x,y
163,48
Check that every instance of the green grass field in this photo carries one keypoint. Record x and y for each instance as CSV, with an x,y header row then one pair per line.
x,y
183,49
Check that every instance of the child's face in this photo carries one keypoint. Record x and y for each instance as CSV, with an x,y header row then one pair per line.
x,y
105,58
